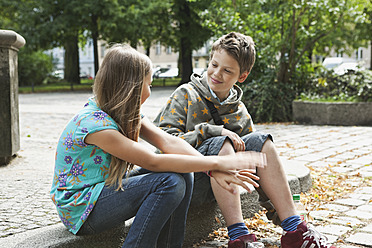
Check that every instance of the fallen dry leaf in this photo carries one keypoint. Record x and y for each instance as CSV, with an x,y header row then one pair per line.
x,y
328,185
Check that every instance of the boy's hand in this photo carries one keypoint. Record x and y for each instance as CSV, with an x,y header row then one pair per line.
x,y
237,141
241,178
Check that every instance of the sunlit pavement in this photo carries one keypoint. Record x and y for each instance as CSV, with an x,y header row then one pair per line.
x,y
25,183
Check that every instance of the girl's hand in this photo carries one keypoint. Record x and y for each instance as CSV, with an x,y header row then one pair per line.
x,y
240,178
242,161
237,141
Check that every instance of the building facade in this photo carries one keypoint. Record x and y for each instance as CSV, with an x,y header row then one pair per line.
x,y
167,57
362,55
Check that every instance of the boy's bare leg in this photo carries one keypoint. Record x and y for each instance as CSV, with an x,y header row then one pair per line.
x,y
229,204
274,182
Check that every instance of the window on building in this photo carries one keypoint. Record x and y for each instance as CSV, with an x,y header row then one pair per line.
x,y
168,50
89,49
89,52
359,53
102,51
158,48
196,63
206,48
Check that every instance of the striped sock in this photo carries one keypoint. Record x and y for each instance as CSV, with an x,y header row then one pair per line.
x,y
290,224
237,230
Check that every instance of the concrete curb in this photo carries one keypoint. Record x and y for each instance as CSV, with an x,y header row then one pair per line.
x,y
333,113
201,221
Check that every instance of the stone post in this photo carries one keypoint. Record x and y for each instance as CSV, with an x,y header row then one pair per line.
x,y
10,42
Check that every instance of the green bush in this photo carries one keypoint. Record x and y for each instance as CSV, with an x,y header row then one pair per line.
x,y
354,86
267,99
33,67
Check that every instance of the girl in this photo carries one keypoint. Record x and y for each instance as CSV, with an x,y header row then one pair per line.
x,y
95,185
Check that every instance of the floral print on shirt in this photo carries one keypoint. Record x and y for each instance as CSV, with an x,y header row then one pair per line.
x,y
80,169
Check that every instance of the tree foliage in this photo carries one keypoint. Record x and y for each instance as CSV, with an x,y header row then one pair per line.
x,y
7,13
49,24
287,34
363,29
351,86
190,32
139,22
33,67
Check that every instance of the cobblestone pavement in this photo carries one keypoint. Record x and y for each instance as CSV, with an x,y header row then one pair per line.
x,y
25,182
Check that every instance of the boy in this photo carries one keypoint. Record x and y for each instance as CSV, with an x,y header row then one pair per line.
x,y
188,116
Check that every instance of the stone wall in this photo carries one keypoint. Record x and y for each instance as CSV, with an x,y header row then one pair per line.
x,y
333,113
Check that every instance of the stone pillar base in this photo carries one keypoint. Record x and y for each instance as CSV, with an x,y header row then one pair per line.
x,y
10,42
5,160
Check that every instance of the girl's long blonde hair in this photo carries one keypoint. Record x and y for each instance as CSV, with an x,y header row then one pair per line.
x,y
118,88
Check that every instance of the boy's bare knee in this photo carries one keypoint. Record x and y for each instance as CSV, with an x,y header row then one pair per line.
x,y
268,146
226,148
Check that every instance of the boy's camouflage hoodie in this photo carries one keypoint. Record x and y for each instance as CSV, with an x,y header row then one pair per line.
x,y
186,114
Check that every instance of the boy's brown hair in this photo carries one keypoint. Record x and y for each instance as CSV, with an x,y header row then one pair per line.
x,y
240,47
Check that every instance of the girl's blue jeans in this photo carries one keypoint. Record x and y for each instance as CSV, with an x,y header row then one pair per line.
x,y
159,201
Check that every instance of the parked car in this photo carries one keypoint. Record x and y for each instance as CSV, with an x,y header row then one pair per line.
x,y
58,74
332,62
347,66
341,66
156,71
85,76
170,73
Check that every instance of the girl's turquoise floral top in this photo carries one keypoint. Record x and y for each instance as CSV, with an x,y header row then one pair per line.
x,y
80,169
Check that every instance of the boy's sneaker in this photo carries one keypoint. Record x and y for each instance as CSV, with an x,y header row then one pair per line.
x,y
304,237
245,241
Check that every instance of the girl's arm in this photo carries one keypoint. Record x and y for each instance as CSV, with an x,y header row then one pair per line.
x,y
163,141
171,144
115,143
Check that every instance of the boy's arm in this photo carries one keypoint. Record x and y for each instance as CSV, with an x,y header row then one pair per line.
x,y
171,144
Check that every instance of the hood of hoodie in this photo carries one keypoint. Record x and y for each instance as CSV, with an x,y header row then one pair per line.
x,y
201,86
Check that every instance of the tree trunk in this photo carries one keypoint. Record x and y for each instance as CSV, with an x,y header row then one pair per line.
x,y
72,66
186,62
283,71
95,44
185,44
287,54
370,58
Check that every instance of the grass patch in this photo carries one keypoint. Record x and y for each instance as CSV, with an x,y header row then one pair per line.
x,y
86,85
166,82
54,88
328,99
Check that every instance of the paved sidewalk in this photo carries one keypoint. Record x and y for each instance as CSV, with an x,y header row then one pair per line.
x,y
25,183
